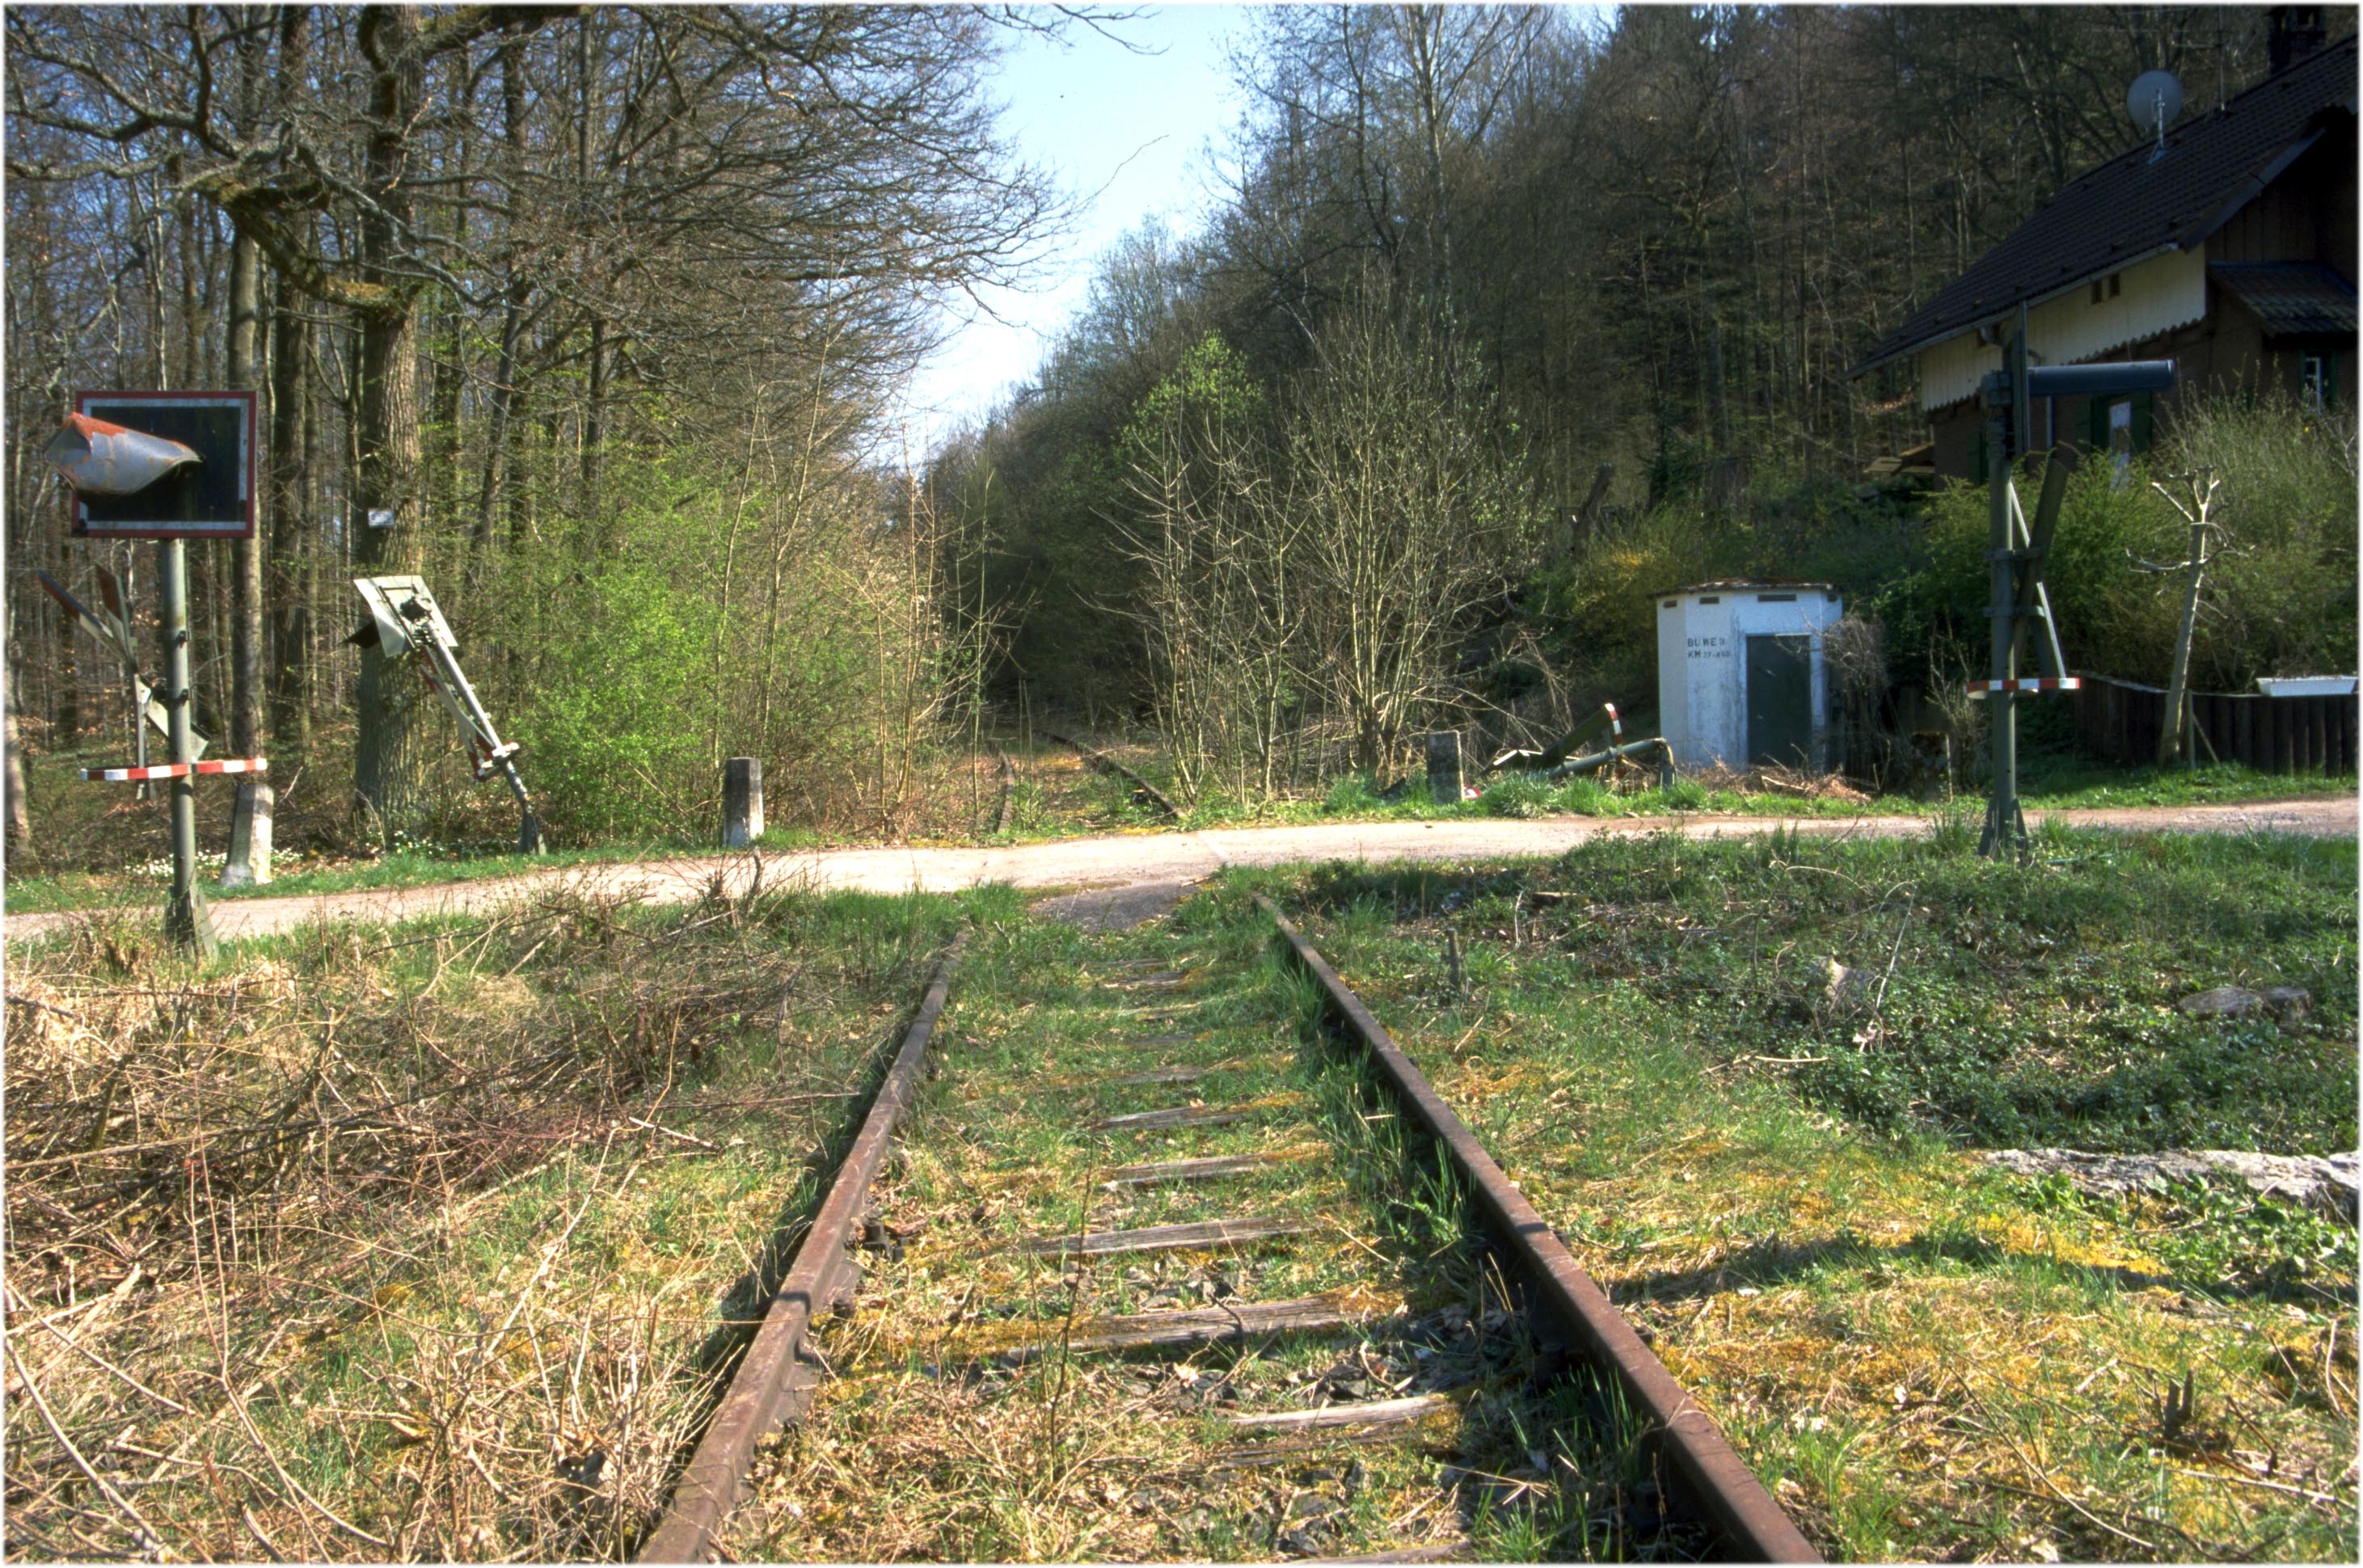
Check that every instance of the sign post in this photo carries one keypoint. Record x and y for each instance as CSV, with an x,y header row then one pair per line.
x,y
2016,550
186,922
169,466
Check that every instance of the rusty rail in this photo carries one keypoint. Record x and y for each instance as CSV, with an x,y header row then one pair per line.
x,y
767,1388
1706,1474
1098,758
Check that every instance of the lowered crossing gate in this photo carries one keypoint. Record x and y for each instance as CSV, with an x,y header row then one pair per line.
x,y
405,620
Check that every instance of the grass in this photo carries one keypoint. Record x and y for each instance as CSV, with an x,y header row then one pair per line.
x,y
418,1243
305,876
1924,1358
431,1241
1058,797
2055,782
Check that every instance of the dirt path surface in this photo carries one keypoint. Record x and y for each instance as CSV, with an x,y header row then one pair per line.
x,y
1123,860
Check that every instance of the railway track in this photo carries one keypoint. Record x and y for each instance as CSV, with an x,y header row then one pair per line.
x,y
1192,1263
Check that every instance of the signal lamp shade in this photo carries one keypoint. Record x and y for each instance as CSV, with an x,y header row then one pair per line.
x,y
102,458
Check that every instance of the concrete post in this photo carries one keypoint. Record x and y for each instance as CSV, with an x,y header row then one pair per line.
x,y
1444,767
249,836
742,801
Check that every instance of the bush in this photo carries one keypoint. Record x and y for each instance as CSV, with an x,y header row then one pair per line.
x,y
1350,796
767,621
620,737
2284,595
2280,599
1519,795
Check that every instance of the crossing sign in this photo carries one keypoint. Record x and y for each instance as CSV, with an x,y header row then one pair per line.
x,y
123,439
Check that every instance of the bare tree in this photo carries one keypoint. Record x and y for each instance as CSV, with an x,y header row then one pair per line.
x,y
1413,515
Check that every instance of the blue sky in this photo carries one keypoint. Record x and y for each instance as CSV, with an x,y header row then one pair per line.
x,y
1129,136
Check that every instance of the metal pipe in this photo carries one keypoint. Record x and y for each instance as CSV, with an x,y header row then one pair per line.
x,y
186,922
1600,758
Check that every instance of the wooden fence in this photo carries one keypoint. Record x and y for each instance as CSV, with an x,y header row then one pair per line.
x,y
2120,721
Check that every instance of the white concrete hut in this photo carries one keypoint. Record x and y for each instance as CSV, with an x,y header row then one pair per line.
x,y
1740,674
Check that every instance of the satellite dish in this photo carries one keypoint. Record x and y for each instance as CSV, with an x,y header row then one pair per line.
x,y
2154,101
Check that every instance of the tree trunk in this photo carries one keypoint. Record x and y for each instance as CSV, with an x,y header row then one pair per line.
x,y
65,686
19,822
389,754
388,751
289,517
290,511
503,399
246,555
2173,736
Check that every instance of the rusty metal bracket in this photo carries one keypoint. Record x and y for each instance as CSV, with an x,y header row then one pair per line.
x,y
1708,1473
766,1389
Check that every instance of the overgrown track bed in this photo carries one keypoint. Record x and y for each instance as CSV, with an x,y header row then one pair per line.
x,y
1785,1186
1160,1274
420,1244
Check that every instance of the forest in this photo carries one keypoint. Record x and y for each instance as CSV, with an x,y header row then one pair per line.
x,y
1509,317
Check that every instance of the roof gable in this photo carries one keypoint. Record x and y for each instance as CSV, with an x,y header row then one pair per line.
x,y
2131,208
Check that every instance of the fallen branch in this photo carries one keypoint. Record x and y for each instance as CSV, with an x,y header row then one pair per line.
x,y
149,1538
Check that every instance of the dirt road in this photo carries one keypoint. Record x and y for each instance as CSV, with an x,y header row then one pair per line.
x,y
1120,860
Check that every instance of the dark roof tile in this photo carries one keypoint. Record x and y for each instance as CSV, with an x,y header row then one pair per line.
x,y
2132,206
2294,299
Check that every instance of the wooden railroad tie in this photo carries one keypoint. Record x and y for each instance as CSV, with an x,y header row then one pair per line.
x,y
1198,1169
1200,1235
1375,1413
1167,1074
1195,1326
1178,1116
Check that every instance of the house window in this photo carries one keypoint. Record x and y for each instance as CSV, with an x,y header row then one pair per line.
x,y
2315,381
2108,288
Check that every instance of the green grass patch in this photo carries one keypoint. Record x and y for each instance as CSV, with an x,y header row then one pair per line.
x,y
2073,783
1923,1358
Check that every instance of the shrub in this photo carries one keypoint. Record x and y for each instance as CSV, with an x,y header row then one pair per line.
x,y
2283,596
2280,599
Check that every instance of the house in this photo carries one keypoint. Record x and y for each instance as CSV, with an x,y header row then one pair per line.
x,y
2228,246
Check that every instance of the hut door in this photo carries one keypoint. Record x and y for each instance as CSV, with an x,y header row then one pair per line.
x,y
1780,700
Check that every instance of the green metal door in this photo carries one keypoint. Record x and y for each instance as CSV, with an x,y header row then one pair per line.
x,y
1780,700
